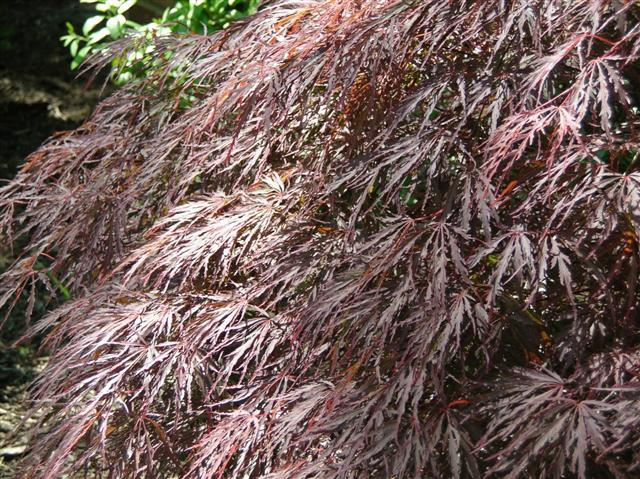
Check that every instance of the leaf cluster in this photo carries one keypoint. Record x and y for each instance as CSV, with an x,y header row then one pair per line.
x,y
112,22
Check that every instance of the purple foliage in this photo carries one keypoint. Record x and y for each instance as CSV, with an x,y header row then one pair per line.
x,y
348,239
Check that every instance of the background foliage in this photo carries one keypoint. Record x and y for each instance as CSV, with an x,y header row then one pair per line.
x,y
353,238
112,22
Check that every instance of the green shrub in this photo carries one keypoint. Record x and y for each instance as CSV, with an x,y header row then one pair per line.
x,y
112,22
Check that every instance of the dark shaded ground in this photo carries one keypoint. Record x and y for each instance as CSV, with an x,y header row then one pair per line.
x,y
39,95
38,92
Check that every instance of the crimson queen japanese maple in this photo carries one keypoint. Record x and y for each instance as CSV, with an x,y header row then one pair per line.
x,y
348,238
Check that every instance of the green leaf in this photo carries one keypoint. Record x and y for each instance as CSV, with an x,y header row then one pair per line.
x,y
126,6
83,52
67,39
74,47
99,35
115,25
63,289
91,23
70,29
132,24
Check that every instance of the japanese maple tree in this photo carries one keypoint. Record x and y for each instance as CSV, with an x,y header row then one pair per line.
x,y
347,239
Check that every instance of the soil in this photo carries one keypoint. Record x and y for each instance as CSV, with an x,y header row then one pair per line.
x,y
39,95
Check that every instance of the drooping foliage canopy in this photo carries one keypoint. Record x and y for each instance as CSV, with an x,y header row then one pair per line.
x,y
349,238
